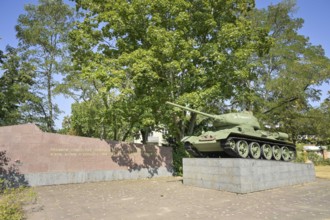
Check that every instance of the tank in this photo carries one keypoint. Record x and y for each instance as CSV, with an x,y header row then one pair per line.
x,y
238,135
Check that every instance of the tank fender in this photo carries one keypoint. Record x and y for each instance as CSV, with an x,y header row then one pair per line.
x,y
282,136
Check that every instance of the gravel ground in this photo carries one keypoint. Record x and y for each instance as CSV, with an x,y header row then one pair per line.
x,y
168,198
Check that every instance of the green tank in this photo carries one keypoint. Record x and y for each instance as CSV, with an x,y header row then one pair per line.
x,y
238,135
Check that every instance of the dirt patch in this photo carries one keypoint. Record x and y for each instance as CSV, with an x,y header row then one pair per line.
x,y
168,198
322,172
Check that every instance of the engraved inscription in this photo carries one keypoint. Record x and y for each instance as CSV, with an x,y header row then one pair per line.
x,y
73,152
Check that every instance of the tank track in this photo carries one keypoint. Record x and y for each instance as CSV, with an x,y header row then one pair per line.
x,y
233,152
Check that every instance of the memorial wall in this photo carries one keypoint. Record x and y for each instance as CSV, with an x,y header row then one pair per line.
x,y
48,158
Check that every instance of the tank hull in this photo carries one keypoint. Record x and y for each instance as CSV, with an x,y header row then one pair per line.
x,y
230,143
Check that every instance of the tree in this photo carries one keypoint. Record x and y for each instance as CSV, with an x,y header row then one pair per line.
x,y
18,102
290,73
148,52
321,121
42,34
104,115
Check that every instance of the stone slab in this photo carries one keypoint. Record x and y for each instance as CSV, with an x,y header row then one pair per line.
x,y
55,178
244,175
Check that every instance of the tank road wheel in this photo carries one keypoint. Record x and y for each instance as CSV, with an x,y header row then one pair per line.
x,y
266,151
242,148
231,144
255,150
277,152
292,155
286,154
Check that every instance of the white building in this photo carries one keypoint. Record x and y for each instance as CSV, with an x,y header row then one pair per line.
x,y
154,137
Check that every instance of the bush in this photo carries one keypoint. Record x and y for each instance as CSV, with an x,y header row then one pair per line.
x,y
12,201
13,190
317,159
9,174
179,152
301,157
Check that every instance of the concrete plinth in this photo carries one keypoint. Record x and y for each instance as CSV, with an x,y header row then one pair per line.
x,y
244,175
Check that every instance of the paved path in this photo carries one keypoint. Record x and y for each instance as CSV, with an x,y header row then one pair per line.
x,y
168,198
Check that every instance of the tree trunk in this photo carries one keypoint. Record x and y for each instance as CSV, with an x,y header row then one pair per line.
x,y
50,123
145,134
192,122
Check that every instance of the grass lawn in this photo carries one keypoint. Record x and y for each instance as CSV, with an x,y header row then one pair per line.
x,y
322,171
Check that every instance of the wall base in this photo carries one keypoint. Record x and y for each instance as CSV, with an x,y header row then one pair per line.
x,y
54,178
244,175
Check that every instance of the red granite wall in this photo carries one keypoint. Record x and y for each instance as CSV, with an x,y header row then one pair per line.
x,y
37,152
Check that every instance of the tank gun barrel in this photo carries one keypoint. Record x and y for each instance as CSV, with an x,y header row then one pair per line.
x,y
192,110
228,119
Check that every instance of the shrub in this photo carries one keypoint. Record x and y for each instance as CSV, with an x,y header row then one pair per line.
x,y
9,174
301,157
317,159
12,201
179,152
13,190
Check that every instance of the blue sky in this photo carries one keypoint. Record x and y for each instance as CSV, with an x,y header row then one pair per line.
x,y
314,12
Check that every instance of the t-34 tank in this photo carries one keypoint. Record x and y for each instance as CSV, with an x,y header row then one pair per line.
x,y
238,135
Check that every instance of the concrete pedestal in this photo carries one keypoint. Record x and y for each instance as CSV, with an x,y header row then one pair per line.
x,y
244,175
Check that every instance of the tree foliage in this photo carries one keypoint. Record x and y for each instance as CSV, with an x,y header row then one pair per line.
x,y
147,52
289,75
18,102
130,57
320,120
1,56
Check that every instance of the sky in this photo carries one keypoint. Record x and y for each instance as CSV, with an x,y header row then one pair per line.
x,y
314,12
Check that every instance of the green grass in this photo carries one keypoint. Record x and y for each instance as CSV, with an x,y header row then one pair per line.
x,y
12,201
322,172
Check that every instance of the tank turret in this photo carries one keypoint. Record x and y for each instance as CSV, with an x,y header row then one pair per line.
x,y
238,135
229,119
